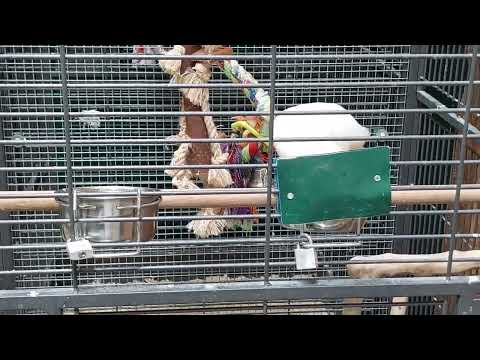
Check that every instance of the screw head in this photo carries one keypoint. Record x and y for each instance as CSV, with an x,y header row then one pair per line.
x,y
377,178
290,196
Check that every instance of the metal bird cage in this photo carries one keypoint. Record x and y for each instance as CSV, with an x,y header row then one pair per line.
x,y
89,116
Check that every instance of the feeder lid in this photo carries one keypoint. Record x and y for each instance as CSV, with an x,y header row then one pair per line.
x,y
343,185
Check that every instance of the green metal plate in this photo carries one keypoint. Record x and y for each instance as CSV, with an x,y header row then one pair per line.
x,y
343,185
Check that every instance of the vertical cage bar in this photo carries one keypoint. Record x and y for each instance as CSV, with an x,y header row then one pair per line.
x,y
6,256
268,220
410,149
456,206
68,156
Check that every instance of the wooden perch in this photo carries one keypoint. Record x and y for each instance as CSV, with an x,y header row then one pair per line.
x,y
420,268
408,197
167,202
417,197
392,268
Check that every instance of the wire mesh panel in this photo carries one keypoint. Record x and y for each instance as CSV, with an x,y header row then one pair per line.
x,y
108,101
449,70
288,307
190,262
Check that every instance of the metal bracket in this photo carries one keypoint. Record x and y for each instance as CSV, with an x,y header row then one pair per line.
x,y
465,304
452,119
82,249
476,306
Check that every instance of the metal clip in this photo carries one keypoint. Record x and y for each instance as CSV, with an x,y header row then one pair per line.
x,y
73,232
75,210
139,214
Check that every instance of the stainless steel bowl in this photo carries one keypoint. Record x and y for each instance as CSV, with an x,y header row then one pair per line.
x,y
110,206
330,226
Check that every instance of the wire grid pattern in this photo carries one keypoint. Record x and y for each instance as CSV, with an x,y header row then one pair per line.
x,y
125,100
437,149
440,149
448,70
287,307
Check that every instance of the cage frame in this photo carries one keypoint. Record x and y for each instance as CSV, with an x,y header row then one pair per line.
x,y
465,288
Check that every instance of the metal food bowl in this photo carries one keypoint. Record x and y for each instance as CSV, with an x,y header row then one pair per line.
x,y
111,206
330,226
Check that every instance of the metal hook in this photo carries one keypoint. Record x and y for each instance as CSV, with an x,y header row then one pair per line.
x,y
74,214
306,236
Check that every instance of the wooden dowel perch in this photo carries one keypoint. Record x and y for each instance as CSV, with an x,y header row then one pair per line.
x,y
420,268
418,197
167,202
393,268
408,197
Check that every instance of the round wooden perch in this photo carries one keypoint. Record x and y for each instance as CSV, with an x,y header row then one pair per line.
x,y
167,202
407,197
417,265
418,197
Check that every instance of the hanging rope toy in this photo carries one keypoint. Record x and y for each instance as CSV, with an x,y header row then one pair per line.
x,y
189,71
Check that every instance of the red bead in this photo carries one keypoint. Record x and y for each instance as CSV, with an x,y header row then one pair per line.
x,y
252,149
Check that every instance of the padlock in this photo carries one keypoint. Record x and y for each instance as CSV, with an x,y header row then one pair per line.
x,y
306,257
79,250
